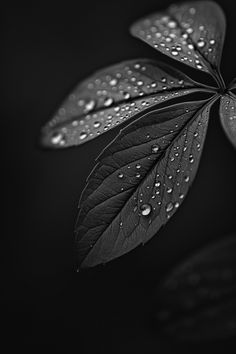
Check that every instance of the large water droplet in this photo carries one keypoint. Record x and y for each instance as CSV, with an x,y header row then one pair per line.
x,y
145,209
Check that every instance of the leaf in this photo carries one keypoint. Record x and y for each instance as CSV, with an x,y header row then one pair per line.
x,y
192,33
112,96
232,85
140,181
228,116
197,300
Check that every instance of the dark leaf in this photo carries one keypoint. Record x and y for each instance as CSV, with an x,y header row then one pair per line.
x,y
232,85
197,300
112,96
228,116
192,33
140,180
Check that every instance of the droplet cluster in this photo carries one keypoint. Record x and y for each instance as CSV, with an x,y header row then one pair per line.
x,y
178,33
109,98
228,116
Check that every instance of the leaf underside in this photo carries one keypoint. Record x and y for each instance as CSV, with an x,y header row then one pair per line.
x,y
140,181
112,96
197,299
228,116
192,33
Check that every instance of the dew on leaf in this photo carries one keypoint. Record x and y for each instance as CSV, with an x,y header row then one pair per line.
x,y
58,139
145,209
83,135
120,175
155,148
169,207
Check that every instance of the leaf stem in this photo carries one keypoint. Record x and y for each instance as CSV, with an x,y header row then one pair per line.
x,y
219,79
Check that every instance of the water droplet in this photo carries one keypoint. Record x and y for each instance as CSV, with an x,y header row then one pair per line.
x,y
83,135
186,178
155,148
120,175
140,83
126,95
157,184
199,66
191,159
201,43
145,209
181,196
192,11
108,101
176,205
138,165
137,175
174,52
113,82
96,124
171,24
169,207
212,41
58,139
89,106
169,190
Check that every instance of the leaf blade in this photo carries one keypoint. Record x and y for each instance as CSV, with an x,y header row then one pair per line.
x,y
192,33
124,199
110,97
228,116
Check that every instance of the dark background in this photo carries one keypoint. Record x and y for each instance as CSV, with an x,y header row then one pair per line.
x,y
46,49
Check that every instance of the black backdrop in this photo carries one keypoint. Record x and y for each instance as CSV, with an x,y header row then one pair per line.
x,y
47,48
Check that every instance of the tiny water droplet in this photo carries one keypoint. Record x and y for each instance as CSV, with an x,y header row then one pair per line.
x,y
113,82
169,207
169,190
120,175
58,139
186,178
83,135
126,95
138,165
155,148
145,209
96,124
89,106
137,175
108,101
201,43
174,52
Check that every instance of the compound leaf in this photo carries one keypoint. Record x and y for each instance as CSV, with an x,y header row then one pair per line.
x,y
228,116
192,33
112,96
140,181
